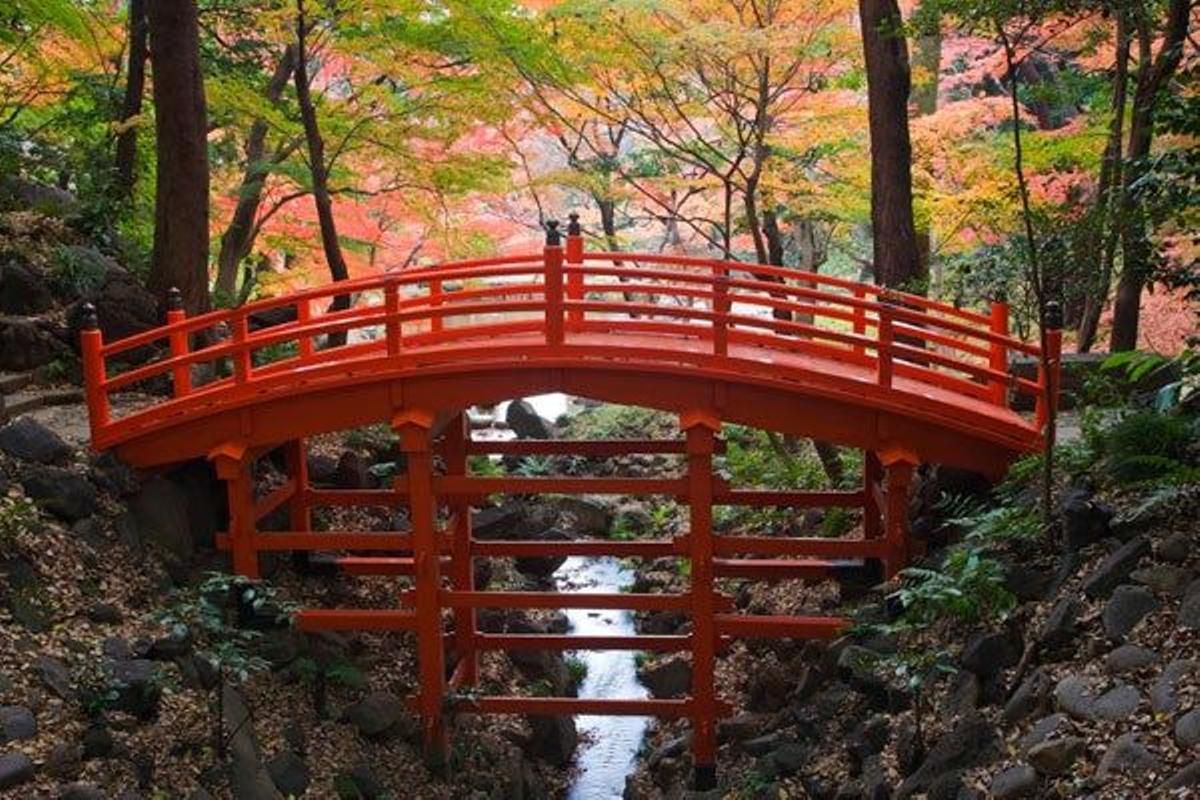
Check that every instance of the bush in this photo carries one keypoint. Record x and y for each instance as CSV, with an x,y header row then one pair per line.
x,y
1150,447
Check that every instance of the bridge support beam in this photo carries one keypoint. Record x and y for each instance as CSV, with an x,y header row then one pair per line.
x,y
898,468
233,463
700,428
414,429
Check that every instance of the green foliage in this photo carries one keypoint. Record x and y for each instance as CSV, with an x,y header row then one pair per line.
x,y
280,351
577,668
1151,447
378,437
75,271
536,467
968,587
1138,366
612,421
18,518
485,467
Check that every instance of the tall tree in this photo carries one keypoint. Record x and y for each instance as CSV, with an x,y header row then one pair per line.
x,y
180,255
239,236
317,164
897,258
1153,74
131,107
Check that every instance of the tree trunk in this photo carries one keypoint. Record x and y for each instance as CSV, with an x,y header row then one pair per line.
x,y
1104,229
135,85
927,56
896,256
1135,238
238,238
180,256
338,270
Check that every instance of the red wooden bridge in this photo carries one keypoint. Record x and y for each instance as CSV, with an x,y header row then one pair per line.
x,y
904,378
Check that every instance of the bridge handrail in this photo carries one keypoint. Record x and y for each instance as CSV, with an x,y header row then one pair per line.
x,y
874,327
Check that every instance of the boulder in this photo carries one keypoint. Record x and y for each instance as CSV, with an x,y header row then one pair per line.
x,y
1031,695
1060,629
55,676
1055,757
137,686
667,677
15,769
971,742
1163,697
553,739
60,491
23,291
1176,548
248,778
123,306
1187,729
289,773
1126,608
543,566
1185,778
1126,755
1165,579
1085,520
43,198
352,472
322,469
26,439
160,512
1189,609
1129,658
81,791
17,723
498,522
1040,731
26,344
376,714
1116,568
1015,782
988,654
525,421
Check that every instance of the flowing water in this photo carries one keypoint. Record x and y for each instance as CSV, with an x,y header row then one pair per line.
x,y
612,743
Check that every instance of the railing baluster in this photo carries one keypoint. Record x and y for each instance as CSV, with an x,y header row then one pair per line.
x,y
998,359
575,260
860,317
181,375
303,317
435,302
720,309
391,304
241,353
91,345
883,349
1051,358
554,285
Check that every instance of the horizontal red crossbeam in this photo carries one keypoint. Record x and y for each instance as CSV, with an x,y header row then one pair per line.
x,y
764,498
551,706
628,601
579,547
348,619
773,569
378,565
798,546
274,499
475,486
341,540
580,447
351,497
780,627
541,641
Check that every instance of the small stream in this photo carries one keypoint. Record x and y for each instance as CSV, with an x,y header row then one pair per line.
x,y
612,743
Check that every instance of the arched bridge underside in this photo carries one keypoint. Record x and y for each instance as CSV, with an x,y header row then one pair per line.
x,y
903,378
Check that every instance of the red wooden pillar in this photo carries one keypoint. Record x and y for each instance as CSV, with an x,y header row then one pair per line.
x,y
700,428
91,346
413,427
181,376
296,462
898,465
553,255
574,258
462,564
233,466
998,352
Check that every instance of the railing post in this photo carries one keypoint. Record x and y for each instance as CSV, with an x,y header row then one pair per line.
x,y
883,349
241,353
860,317
181,376
391,306
574,260
998,358
720,309
554,285
435,302
303,317
1049,366
91,346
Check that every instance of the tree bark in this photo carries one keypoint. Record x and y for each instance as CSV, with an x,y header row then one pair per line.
x,y
1135,238
1104,229
131,107
238,239
180,255
927,56
896,256
338,270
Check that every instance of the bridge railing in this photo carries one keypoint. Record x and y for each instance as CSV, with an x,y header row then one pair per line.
x,y
564,300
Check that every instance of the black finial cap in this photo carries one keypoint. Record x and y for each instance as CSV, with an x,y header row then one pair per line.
x,y
1000,296
174,299
573,227
1054,317
89,321
553,237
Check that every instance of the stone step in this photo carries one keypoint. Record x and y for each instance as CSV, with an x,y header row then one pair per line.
x,y
11,382
23,402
